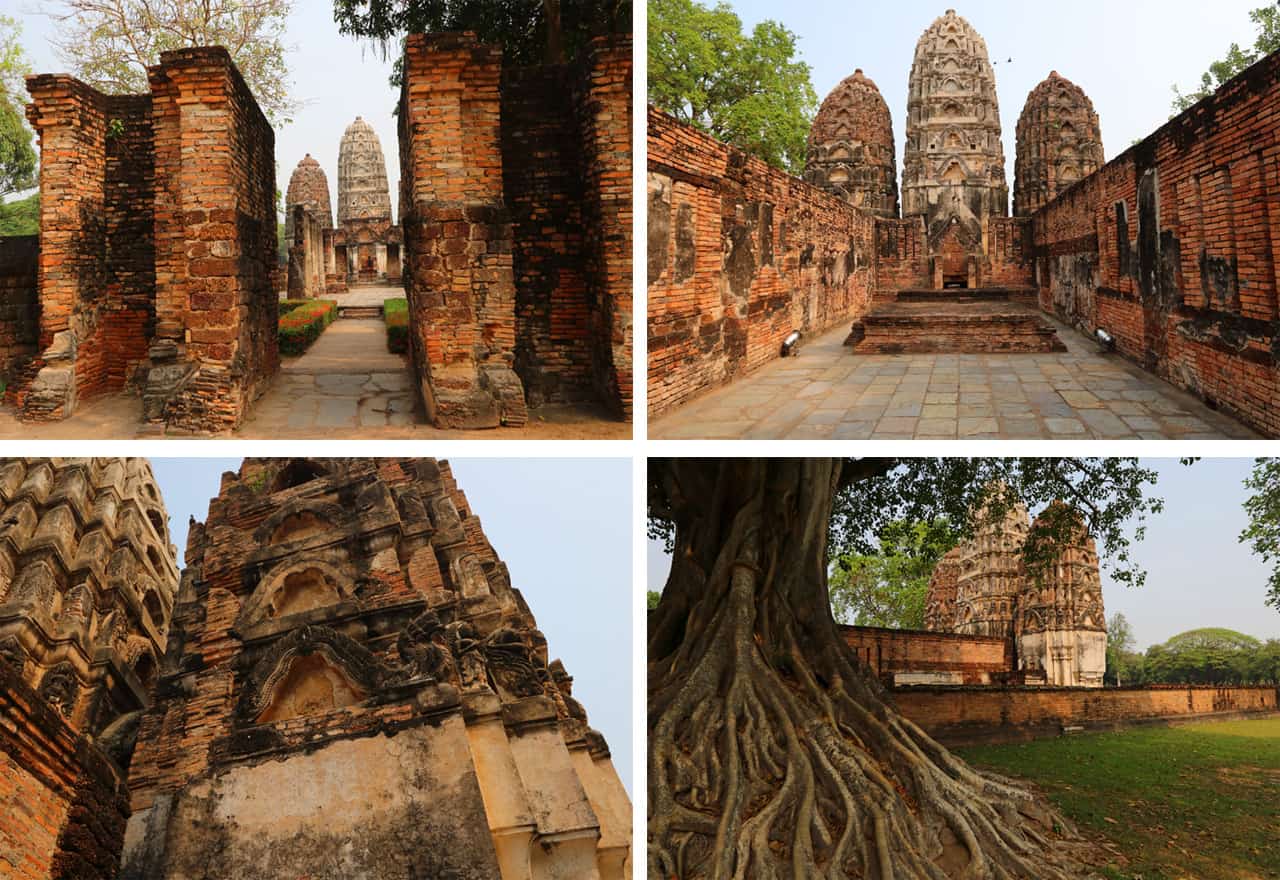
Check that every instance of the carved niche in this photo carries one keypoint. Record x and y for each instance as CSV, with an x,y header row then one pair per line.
x,y
312,670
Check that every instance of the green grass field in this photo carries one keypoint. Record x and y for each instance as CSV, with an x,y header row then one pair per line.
x,y
1200,802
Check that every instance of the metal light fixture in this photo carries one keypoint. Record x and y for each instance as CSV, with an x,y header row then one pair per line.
x,y
1105,339
791,343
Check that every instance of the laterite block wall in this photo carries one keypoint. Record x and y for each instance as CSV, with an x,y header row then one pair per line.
x,y
888,652
19,303
739,255
1171,249
958,715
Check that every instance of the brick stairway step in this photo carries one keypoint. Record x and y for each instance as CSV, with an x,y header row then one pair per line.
x,y
360,311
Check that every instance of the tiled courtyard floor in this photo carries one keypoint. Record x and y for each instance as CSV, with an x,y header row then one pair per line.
x,y
829,393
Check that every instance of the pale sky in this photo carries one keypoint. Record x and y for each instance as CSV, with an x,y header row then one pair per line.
x,y
562,526
1198,574
337,78
1125,54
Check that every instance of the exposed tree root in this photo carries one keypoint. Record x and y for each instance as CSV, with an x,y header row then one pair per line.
x,y
772,755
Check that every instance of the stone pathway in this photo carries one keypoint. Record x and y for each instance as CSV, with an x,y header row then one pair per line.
x,y
347,379
829,393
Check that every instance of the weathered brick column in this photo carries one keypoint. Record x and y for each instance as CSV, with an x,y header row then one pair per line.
x,y
604,115
215,345
458,234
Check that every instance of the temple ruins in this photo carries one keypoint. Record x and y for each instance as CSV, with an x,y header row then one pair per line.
x,y
1156,256
343,639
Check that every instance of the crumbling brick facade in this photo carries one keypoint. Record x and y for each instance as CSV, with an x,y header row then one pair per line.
x,y
346,633
739,256
458,234
911,658
157,244
19,305
307,271
566,165
87,584
968,715
1171,249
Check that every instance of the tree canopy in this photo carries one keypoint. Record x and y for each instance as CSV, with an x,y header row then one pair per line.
x,y
529,31
748,90
1212,656
1237,59
889,588
1263,532
111,43
18,160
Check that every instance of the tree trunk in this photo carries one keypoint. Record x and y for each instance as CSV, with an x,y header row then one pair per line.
x,y
772,754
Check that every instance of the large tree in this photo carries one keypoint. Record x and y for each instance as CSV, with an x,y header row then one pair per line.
x,y
1263,532
1237,59
1119,645
529,31
18,160
749,90
111,43
772,752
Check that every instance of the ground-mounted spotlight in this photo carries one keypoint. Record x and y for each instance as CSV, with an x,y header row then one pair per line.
x,y
1105,339
791,345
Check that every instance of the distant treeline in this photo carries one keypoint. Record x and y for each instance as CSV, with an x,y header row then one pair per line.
x,y
1202,656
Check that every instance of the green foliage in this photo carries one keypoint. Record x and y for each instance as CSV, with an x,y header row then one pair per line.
x,y
302,325
1213,656
1180,802
21,217
654,598
1263,532
1237,60
18,160
747,90
889,588
395,312
1109,493
529,31
111,43
1119,648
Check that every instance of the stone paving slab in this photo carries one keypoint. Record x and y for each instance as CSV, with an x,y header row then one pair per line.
x,y
830,393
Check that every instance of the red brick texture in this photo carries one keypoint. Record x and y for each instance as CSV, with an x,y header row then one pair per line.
x,y
19,304
964,715
215,343
886,652
458,234
63,804
1171,248
740,255
157,243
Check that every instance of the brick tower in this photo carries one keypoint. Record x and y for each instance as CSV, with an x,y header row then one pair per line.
x,y
851,147
354,688
87,586
1059,142
992,576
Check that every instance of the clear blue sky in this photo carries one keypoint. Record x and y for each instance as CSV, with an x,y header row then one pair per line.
x,y
1198,574
337,78
563,526
1125,54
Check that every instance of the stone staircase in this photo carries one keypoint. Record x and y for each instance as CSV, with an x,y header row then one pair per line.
x,y
988,320
360,312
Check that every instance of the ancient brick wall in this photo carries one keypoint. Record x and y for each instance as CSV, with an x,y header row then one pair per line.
x,y
543,181
63,803
740,255
307,276
1009,246
604,111
457,234
889,653
566,166
978,714
902,255
96,278
19,303
215,345
1170,248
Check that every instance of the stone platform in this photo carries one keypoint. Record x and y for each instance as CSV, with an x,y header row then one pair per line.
x,y
987,321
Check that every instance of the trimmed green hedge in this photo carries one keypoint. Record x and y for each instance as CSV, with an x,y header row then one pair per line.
x,y
285,306
302,325
396,313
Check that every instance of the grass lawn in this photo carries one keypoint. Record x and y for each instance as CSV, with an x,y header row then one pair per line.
x,y
1200,802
